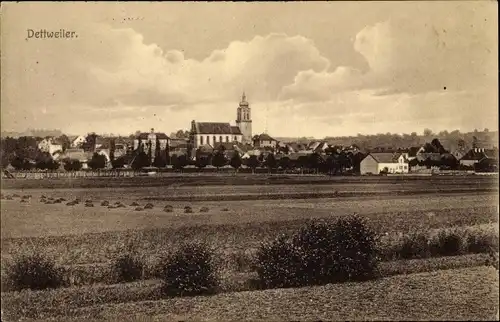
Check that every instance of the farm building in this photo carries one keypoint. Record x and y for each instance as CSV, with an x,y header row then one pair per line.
x,y
477,154
374,163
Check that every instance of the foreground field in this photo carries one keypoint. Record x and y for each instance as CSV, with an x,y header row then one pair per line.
x,y
454,294
85,240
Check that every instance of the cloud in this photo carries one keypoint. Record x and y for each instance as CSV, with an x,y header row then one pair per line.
x,y
114,79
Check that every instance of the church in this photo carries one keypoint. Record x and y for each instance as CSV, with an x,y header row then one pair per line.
x,y
213,133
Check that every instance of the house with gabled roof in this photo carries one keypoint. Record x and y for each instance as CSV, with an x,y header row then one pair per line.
x,y
50,145
375,163
264,140
475,155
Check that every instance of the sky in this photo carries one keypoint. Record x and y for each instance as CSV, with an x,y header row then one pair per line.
x,y
307,68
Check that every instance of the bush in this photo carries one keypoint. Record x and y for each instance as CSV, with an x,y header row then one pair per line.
x,y
134,204
105,203
168,208
481,243
447,243
188,209
319,253
33,272
278,263
127,268
225,209
137,209
149,206
204,209
191,270
415,245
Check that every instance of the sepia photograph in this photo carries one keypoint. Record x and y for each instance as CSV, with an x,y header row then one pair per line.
x,y
249,161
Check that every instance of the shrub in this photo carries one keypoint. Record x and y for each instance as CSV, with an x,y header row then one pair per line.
x,y
88,204
188,209
278,263
127,268
134,204
111,207
71,203
415,245
340,252
105,203
33,272
204,209
138,209
225,209
168,208
149,206
191,270
446,243
478,242
319,253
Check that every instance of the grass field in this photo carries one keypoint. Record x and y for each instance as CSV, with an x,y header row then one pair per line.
x,y
454,294
239,217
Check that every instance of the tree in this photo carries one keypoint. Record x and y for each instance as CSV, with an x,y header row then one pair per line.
x,y
179,162
427,132
235,161
461,144
160,158
98,161
112,147
118,163
20,163
302,162
90,142
475,142
201,161
284,163
72,165
253,162
167,155
270,162
219,159
66,144
140,161
314,161
150,154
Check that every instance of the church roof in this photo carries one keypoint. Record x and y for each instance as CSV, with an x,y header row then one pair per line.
x,y
236,130
215,128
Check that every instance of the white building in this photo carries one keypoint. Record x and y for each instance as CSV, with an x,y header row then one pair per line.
x,y
149,140
374,163
77,141
50,145
212,133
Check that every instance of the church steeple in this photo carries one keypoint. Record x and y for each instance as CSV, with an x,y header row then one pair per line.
x,y
244,119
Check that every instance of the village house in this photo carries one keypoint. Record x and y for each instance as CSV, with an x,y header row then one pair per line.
x,y
50,145
76,141
264,140
475,155
374,163
148,141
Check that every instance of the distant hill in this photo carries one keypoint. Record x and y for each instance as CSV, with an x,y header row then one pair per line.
x,y
32,132
449,140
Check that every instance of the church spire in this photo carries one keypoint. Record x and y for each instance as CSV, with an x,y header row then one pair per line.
x,y
243,97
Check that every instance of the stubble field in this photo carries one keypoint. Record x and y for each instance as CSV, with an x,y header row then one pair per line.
x,y
89,238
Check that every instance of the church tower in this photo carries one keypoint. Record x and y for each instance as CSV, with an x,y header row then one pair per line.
x,y
244,120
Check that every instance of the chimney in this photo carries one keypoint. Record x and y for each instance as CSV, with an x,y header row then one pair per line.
x,y
152,130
